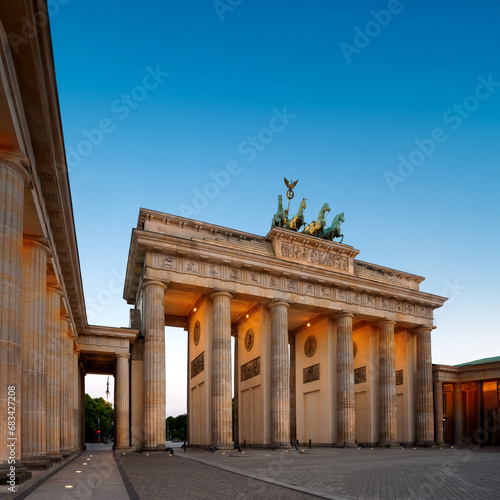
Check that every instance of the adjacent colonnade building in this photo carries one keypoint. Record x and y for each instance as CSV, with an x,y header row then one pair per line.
x,y
46,343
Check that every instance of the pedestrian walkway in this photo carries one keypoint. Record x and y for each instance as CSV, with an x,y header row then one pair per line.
x,y
91,475
339,474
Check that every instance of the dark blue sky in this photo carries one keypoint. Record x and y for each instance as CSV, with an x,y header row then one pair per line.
x,y
387,110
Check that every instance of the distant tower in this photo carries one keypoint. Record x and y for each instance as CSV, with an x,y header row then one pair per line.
x,y
107,389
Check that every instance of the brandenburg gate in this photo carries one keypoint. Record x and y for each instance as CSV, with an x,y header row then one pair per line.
x,y
328,348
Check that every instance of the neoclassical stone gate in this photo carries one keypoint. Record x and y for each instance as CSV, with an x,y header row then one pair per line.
x,y
328,348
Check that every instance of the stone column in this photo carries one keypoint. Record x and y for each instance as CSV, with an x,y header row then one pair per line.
x,y
221,371
34,340
425,410
481,432
387,384
64,386
236,380
13,178
280,376
458,412
154,366
70,391
122,404
438,412
293,390
345,382
54,366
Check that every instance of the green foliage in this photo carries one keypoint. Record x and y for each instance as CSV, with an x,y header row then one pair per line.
x,y
99,414
177,427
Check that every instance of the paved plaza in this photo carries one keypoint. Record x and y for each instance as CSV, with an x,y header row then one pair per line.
x,y
422,473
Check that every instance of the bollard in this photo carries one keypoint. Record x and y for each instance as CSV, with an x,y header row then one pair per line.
x,y
388,445
309,443
214,449
185,446
244,444
345,444
296,444
275,448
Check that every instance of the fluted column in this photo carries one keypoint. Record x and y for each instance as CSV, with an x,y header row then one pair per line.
x,y
53,377
34,340
70,392
13,178
438,412
154,366
293,390
236,381
280,376
346,429
387,384
481,431
425,407
221,371
458,412
64,385
122,402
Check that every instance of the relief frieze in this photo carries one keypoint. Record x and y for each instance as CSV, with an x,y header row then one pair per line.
x,y
250,369
310,374
198,365
360,375
313,256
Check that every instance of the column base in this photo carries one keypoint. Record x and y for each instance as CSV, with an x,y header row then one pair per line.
x,y
55,457
66,453
20,476
223,447
37,463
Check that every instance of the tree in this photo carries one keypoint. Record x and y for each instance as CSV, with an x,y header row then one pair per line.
x,y
99,415
177,427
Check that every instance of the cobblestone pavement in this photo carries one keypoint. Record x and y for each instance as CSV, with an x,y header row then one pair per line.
x,y
377,473
160,476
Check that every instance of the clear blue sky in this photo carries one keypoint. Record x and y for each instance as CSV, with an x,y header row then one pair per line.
x,y
387,110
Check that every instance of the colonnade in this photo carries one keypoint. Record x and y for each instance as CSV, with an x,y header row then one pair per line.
x,y
458,423
282,403
37,358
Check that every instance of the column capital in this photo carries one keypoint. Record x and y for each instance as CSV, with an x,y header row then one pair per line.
x,y
344,314
278,303
162,284
221,294
424,328
122,355
385,321
40,243
18,163
55,289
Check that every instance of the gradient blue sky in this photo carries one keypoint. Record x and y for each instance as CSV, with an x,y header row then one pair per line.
x,y
357,105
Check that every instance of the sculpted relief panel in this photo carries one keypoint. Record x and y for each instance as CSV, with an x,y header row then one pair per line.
x,y
321,290
312,256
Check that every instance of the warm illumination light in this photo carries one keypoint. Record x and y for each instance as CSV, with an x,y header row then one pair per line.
x,y
84,463
147,454
68,486
78,471
308,325
194,309
248,316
